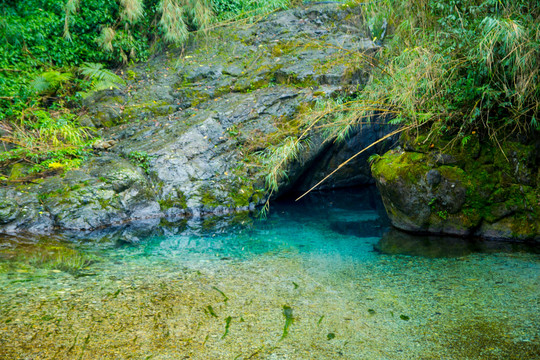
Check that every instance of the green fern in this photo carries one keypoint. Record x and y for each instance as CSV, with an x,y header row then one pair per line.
x,y
40,84
50,80
101,78
97,72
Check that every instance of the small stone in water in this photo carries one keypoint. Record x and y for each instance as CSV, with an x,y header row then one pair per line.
x,y
371,312
330,336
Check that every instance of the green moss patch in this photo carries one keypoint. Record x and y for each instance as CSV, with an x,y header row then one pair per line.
x,y
393,165
174,201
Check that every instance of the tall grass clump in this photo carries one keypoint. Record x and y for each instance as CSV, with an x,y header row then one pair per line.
x,y
467,65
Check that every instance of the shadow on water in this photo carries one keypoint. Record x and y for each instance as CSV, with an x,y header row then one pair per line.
x,y
396,242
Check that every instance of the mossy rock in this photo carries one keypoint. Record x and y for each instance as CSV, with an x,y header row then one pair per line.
x,y
9,210
176,200
150,110
397,165
487,193
18,171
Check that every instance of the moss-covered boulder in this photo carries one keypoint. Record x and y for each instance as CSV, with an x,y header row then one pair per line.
x,y
478,190
106,191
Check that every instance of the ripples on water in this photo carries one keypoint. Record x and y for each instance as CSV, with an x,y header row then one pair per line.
x,y
328,270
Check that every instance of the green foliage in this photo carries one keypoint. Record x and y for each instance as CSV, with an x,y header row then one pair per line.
x,y
463,67
47,139
373,158
277,158
55,53
43,36
96,72
443,214
226,9
458,67
57,130
50,80
470,64
141,159
99,77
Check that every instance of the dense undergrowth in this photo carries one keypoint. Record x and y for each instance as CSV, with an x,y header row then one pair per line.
x,y
461,66
53,53
449,70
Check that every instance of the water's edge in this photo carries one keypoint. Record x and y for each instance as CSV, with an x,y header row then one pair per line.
x,y
321,279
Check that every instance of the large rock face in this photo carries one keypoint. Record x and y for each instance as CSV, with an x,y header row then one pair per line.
x,y
180,138
479,190
108,190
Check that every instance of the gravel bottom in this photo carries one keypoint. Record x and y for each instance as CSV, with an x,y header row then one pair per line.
x,y
385,307
288,288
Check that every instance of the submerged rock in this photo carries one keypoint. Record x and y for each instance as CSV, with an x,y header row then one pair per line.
x,y
180,138
494,194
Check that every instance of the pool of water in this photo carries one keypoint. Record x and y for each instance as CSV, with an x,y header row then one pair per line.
x,y
324,278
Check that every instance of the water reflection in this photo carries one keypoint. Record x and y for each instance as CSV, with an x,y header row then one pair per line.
x,y
396,242
345,221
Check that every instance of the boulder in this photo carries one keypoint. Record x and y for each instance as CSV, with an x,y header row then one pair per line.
x,y
493,195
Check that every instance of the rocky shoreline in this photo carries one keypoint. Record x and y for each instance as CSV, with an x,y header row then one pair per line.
x,y
466,191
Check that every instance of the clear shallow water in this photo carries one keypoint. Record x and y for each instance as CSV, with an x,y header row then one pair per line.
x,y
216,289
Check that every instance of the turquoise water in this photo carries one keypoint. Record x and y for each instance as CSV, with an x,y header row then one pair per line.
x,y
325,278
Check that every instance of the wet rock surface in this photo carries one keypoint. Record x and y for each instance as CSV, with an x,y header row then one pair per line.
x,y
180,138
